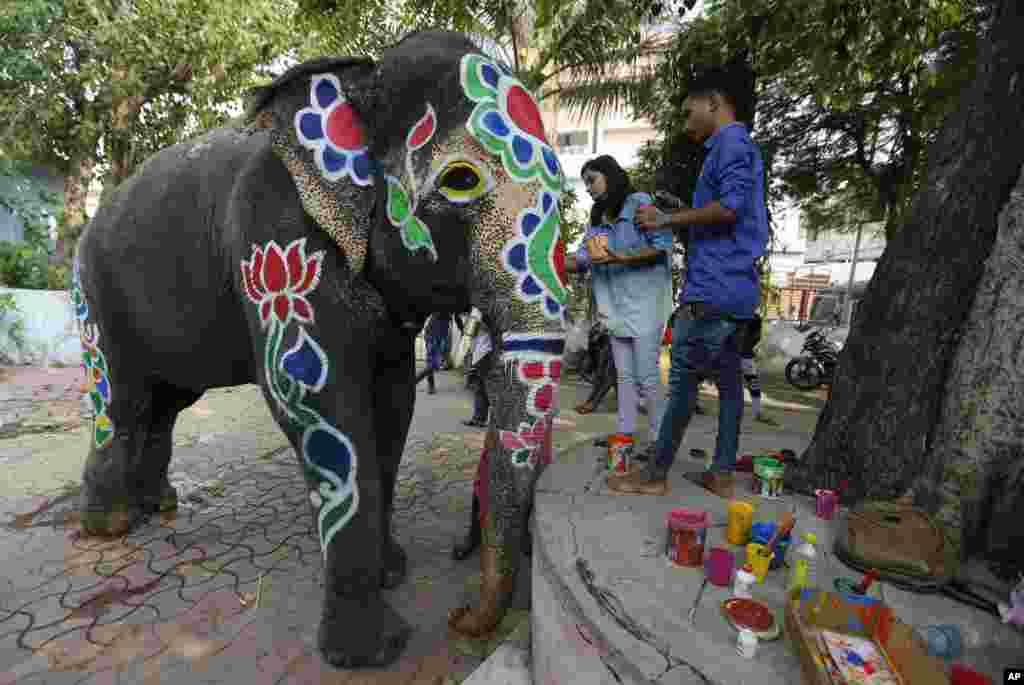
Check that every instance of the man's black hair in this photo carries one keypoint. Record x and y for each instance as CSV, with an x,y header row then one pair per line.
x,y
619,188
734,82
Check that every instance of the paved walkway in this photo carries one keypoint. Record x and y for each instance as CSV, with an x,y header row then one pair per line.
x,y
227,590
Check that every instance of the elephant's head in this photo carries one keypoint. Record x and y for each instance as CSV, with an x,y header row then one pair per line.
x,y
431,171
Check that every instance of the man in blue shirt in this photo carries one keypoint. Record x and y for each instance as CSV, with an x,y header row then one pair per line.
x,y
728,231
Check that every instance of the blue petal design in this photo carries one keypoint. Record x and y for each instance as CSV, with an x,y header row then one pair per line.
x,y
531,287
530,223
550,161
334,161
103,389
517,257
546,202
552,305
305,362
490,75
362,167
496,124
522,149
326,93
326,451
310,126
82,311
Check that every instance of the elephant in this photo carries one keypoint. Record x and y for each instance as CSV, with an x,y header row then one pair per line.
x,y
301,248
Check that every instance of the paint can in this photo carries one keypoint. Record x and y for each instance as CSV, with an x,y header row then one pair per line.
x,y
760,463
942,640
687,531
620,452
719,566
741,516
759,557
826,503
771,481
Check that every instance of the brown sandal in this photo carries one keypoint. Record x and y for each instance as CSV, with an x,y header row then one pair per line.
x,y
585,407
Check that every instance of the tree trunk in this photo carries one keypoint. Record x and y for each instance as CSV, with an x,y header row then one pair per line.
x,y
872,437
974,476
76,190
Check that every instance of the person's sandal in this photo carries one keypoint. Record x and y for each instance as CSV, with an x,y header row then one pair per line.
x,y
585,407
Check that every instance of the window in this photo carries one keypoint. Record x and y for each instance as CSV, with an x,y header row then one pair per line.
x,y
573,142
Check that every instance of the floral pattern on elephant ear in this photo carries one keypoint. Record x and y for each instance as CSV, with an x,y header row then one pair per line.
x,y
536,256
94,363
330,128
507,121
278,281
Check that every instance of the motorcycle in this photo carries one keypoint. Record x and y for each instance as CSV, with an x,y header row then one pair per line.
x,y
816,364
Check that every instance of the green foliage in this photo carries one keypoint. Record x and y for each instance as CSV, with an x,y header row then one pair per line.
x,y
848,94
555,48
29,199
102,84
23,266
9,311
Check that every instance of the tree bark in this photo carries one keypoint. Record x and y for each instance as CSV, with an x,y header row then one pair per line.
x,y
974,476
873,436
76,190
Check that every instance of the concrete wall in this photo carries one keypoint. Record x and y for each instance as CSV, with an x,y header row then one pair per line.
x,y
50,330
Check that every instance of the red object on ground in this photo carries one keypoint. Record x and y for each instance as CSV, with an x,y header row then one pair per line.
x,y
667,338
962,675
749,613
687,529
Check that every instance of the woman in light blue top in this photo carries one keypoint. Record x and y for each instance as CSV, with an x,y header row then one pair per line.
x,y
632,285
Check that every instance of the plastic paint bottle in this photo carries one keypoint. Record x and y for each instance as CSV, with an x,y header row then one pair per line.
x,y
804,573
746,643
745,579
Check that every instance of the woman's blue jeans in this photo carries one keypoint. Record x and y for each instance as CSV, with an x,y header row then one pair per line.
x,y
702,347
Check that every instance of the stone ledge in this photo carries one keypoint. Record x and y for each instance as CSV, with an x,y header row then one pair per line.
x,y
608,608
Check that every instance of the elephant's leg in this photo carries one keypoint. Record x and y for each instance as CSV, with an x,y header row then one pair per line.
x,y
116,474
168,402
393,407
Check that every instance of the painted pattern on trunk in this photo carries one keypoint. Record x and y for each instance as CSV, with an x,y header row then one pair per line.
x,y
95,364
535,360
277,281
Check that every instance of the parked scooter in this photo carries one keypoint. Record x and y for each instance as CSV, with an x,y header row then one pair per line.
x,y
816,364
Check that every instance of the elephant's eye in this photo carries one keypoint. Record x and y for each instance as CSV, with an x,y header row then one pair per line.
x,y
462,182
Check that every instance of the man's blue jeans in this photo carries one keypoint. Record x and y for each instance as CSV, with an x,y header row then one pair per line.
x,y
704,347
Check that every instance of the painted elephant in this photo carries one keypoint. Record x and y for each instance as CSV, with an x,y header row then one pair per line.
x,y
303,252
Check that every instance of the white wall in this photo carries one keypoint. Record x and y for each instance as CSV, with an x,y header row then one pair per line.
x,y
50,330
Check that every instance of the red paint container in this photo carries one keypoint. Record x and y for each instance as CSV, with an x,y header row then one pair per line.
x,y
687,530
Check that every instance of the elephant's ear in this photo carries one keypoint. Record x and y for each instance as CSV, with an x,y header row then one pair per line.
x,y
316,125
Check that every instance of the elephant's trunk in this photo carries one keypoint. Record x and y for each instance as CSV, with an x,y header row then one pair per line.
x,y
517,448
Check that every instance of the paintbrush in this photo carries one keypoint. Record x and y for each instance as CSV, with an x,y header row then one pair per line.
x,y
783,526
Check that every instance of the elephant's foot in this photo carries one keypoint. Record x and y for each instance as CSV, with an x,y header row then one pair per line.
x,y
394,567
111,516
357,633
115,515
495,592
163,501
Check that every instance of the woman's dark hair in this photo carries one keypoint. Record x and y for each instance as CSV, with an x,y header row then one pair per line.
x,y
619,188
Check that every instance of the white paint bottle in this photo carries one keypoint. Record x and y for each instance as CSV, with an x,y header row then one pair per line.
x,y
746,643
745,580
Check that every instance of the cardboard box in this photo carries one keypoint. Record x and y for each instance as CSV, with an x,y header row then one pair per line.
x,y
809,611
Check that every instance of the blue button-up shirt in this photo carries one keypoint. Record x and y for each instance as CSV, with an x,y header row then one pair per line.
x,y
634,300
720,263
